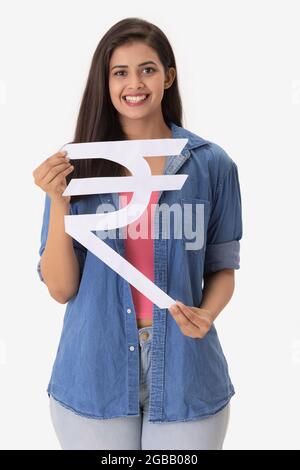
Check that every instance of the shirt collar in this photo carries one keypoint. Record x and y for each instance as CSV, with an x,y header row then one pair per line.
x,y
194,140
174,162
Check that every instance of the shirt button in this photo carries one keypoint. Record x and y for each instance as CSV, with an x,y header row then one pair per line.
x,y
144,335
129,310
131,348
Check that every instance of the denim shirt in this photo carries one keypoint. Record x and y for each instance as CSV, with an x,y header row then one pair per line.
x,y
96,368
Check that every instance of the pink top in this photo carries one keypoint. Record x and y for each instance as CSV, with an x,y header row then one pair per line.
x,y
139,250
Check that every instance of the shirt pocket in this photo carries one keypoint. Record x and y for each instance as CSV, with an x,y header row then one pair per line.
x,y
194,223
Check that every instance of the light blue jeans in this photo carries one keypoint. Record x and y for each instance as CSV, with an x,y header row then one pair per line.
x,y
135,432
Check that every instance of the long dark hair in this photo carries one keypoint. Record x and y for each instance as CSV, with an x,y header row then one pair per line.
x,y
98,119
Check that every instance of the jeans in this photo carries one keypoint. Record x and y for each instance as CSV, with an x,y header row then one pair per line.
x,y
135,432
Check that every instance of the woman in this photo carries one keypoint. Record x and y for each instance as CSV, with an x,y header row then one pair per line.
x,y
127,374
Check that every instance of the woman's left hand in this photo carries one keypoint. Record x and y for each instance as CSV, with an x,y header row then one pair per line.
x,y
193,321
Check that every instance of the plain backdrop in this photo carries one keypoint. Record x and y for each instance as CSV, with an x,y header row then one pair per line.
x,y
239,77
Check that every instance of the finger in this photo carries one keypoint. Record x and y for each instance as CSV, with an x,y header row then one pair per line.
x,y
59,182
61,177
190,314
59,153
55,171
46,165
187,327
180,318
197,318
184,308
56,157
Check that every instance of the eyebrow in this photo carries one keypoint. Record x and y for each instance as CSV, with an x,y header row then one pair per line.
x,y
140,65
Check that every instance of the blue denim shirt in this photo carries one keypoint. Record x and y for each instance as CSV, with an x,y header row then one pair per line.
x,y
96,369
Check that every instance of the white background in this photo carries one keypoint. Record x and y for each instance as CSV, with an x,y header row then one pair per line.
x,y
239,77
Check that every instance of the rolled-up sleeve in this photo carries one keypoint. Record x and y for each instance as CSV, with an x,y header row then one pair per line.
x,y
79,249
225,225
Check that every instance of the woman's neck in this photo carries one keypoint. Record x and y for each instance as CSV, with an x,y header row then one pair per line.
x,y
143,129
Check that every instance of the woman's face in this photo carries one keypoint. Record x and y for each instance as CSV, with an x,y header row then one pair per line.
x,y
135,69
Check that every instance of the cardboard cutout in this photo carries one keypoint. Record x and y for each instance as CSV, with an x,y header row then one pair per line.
x,y
129,153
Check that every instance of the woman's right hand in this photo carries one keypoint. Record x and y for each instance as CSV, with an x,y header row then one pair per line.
x,y
51,174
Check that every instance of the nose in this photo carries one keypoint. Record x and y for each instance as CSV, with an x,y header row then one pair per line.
x,y
135,82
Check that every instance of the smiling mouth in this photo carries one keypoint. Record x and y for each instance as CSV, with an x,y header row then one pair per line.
x,y
135,101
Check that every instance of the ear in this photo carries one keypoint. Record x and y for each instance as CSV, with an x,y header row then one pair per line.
x,y
171,74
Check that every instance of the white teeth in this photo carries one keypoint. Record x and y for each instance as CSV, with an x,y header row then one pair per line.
x,y
135,98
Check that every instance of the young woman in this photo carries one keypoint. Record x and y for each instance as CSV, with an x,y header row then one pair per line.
x,y
127,374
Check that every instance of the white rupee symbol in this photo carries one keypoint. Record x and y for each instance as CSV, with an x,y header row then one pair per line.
x,y
129,153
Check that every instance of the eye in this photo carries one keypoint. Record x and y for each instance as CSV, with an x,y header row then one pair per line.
x,y
122,71
149,68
